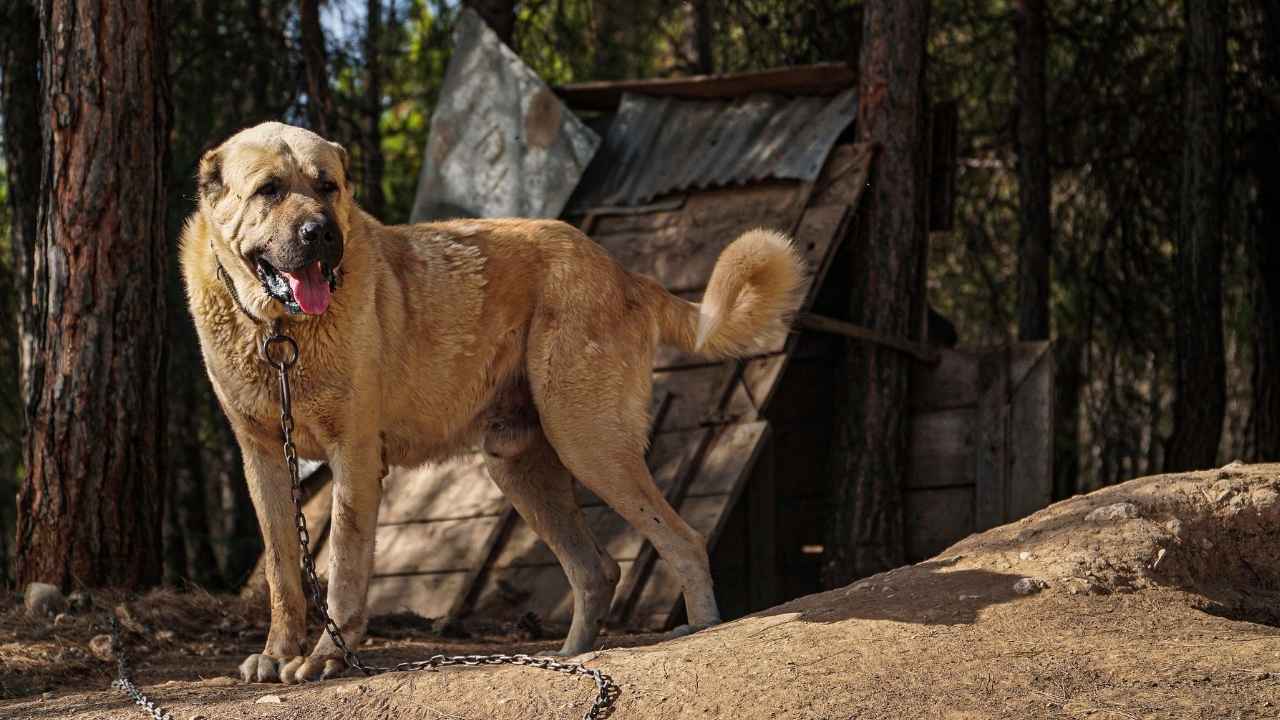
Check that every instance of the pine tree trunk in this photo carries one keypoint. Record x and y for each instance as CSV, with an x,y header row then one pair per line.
x,y
1200,393
319,99
1033,173
499,15
373,200
865,534
1266,247
89,508
20,113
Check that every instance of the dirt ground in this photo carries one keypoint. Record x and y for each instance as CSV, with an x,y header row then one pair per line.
x,y
1144,600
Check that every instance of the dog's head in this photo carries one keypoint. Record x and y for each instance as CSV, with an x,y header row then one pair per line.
x,y
279,201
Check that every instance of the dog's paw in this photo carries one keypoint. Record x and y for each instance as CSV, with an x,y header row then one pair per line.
x,y
263,668
312,669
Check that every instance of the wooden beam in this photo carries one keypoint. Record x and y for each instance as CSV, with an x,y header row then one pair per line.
x,y
924,353
820,79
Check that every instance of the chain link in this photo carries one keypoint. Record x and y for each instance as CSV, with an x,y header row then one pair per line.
x,y
124,677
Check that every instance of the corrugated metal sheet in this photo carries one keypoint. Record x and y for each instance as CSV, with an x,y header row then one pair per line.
x,y
660,145
502,144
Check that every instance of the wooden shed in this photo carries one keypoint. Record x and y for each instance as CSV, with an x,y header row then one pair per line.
x,y
740,448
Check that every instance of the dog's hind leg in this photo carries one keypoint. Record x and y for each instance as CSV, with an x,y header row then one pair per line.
x,y
542,492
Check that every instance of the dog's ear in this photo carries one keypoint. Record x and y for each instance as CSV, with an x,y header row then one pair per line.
x,y
346,162
209,177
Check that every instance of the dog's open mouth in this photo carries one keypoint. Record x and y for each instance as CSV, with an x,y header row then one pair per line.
x,y
305,290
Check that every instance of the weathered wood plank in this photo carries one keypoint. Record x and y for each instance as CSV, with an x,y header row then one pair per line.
x,y
680,253
941,450
819,79
935,519
456,488
844,177
991,470
1031,450
762,540
436,546
428,595
952,383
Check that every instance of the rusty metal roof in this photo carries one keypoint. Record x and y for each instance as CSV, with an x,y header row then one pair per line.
x,y
659,145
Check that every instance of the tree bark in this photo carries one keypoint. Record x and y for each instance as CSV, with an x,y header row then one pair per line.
x,y
865,533
373,199
88,510
1034,237
319,99
20,112
499,15
1200,393
1266,249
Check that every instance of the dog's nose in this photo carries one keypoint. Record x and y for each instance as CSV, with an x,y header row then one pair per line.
x,y
312,231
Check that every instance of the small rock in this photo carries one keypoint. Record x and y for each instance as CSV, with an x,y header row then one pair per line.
x,y
100,647
80,601
268,700
46,695
1024,555
43,600
1029,586
165,635
1174,527
62,619
1112,513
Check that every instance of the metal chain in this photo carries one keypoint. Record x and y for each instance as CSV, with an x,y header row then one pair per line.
x,y
607,690
124,677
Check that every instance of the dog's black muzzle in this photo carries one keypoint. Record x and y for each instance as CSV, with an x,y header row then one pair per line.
x,y
316,240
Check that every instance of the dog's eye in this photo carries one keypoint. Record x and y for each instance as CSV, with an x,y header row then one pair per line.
x,y
268,189
327,187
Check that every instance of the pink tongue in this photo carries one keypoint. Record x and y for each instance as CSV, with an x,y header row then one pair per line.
x,y
310,289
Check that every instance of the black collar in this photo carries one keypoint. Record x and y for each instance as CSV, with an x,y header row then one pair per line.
x,y
235,296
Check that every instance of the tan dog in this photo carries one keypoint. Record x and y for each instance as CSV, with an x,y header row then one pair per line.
x,y
520,336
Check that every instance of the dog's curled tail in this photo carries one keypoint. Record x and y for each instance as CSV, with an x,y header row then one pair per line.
x,y
753,293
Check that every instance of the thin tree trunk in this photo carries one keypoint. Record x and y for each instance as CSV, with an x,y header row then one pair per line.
x,y
1200,399
499,15
1266,246
865,534
373,199
1033,173
20,113
319,99
702,33
88,510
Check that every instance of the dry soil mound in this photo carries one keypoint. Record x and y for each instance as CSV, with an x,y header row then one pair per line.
x,y
1095,607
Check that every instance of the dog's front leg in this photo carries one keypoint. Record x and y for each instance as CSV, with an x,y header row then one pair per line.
x,y
268,481
357,489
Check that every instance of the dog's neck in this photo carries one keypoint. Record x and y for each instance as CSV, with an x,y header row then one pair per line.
x,y
231,288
